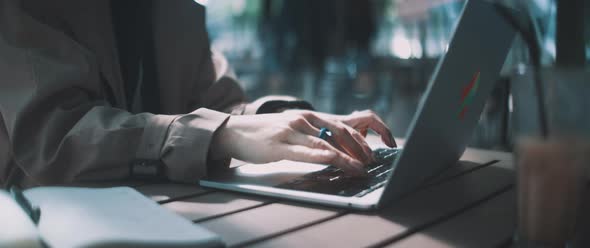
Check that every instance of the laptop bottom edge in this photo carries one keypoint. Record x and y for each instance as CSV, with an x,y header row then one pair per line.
x,y
367,202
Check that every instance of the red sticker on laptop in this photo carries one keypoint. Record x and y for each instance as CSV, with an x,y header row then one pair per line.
x,y
468,95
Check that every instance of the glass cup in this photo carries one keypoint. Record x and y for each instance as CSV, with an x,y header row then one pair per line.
x,y
551,177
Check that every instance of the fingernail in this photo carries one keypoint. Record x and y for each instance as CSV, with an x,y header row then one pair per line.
x,y
392,142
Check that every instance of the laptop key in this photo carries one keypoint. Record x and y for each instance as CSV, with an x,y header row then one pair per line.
x,y
374,169
383,173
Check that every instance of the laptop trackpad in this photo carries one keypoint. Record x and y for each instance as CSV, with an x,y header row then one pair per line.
x,y
270,174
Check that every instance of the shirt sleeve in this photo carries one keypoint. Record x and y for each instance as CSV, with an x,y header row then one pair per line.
x,y
57,128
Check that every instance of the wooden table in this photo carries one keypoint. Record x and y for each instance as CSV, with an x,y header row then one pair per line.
x,y
469,205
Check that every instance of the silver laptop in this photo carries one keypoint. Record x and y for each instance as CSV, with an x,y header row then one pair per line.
x,y
438,135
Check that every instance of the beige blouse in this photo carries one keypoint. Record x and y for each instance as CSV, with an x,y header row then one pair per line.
x,y
58,63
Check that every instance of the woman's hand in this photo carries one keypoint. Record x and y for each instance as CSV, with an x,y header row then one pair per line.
x,y
362,121
293,135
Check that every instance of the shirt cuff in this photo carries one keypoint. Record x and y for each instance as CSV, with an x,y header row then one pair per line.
x,y
187,143
147,164
154,134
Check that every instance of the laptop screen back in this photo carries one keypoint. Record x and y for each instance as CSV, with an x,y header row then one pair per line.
x,y
455,97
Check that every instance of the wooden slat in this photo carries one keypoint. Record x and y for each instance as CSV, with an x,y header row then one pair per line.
x,y
483,156
265,221
213,204
486,225
364,229
169,191
479,156
461,168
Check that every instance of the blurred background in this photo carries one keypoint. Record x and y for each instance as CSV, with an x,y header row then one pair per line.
x,y
346,55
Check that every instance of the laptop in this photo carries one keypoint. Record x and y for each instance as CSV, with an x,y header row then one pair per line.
x,y
446,117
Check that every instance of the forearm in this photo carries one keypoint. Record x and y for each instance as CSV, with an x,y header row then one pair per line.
x,y
112,144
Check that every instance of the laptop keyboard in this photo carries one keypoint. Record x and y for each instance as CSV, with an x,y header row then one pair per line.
x,y
334,181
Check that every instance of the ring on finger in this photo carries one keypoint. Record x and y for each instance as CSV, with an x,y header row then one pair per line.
x,y
324,133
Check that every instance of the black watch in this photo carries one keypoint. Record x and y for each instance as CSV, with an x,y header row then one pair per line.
x,y
276,105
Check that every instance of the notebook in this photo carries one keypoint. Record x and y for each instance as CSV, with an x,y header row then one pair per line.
x,y
84,217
